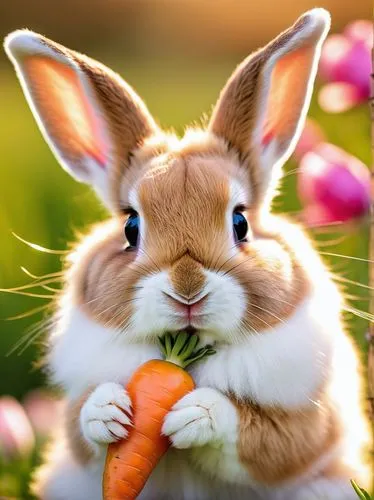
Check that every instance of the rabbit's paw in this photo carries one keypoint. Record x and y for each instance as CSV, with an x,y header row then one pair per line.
x,y
105,414
204,416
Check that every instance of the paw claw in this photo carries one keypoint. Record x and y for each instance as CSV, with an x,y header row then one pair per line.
x,y
117,430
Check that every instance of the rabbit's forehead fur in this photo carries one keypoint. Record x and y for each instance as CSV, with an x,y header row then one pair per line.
x,y
200,165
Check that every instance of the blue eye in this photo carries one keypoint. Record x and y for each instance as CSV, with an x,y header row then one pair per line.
x,y
132,229
240,226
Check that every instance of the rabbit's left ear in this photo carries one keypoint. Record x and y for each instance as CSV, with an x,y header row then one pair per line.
x,y
262,108
91,119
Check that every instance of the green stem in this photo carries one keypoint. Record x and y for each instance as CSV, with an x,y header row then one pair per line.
x,y
182,349
167,345
361,493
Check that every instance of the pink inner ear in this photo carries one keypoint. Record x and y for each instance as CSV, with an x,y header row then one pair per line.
x,y
288,85
70,118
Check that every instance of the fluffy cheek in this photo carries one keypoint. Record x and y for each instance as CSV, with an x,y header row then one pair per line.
x,y
152,313
226,306
103,279
218,320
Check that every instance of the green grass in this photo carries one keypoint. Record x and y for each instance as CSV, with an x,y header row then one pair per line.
x,y
16,474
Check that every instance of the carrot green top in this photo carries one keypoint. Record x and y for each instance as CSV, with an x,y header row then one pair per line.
x,y
182,349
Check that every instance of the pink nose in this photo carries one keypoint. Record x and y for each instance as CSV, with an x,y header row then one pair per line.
x,y
188,306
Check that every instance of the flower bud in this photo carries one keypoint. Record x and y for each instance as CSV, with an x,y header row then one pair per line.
x,y
43,411
333,186
16,434
346,65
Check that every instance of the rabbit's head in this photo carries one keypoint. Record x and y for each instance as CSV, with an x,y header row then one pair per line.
x,y
191,242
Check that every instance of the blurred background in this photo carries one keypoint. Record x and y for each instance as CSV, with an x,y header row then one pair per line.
x,y
177,54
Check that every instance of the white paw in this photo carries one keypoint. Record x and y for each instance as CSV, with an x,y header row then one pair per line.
x,y
105,414
203,416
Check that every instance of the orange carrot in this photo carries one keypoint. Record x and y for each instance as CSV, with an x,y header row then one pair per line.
x,y
154,388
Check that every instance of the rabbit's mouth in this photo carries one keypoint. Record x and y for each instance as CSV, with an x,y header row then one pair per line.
x,y
191,330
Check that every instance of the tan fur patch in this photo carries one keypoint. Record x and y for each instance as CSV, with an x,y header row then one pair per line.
x,y
187,277
77,443
273,276
103,275
278,445
184,201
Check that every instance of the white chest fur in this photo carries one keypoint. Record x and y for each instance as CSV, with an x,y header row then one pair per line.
x,y
284,365
84,353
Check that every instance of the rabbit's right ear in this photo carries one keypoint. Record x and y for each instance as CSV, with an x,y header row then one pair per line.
x,y
89,116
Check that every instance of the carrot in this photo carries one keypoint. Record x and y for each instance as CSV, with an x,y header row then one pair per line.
x,y
154,388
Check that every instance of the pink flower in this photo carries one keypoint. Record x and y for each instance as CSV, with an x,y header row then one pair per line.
x,y
16,434
43,411
346,65
311,136
361,31
333,186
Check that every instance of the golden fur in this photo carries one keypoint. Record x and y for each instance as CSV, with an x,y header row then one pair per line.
x,y
278,445
82,452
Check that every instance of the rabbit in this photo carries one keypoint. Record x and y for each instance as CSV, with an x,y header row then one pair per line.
x,y
192,244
